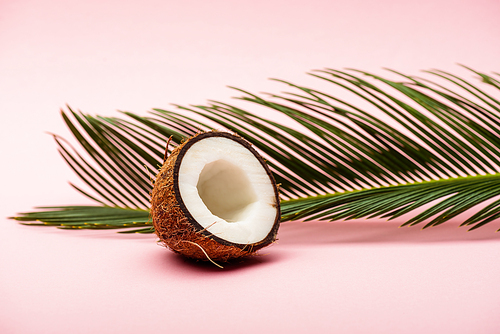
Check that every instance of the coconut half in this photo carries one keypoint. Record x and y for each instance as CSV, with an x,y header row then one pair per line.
x,y
215,199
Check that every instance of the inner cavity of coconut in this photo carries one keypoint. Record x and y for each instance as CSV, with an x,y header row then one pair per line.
x,y
227,190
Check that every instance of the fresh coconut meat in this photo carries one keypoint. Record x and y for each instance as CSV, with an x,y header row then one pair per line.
x,y
215,198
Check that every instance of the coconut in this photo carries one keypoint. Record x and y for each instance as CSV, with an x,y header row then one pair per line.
x,y
215,199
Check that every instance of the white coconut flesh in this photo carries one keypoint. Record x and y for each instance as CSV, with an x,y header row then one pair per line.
x,y
227,191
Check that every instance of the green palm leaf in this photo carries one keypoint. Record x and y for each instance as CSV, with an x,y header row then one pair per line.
x,y
416,144
90,217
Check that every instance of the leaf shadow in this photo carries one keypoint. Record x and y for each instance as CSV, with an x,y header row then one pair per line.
x,y
376,231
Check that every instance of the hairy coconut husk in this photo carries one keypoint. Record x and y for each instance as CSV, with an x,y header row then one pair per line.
x,y
175,226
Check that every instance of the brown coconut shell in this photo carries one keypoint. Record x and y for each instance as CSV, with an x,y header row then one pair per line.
x,y
176,227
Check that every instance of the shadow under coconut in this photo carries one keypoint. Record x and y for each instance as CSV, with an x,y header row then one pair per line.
x,y
375,231
170,258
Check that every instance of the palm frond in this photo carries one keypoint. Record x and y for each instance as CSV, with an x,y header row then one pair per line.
x,y
414,142
455,196
89,217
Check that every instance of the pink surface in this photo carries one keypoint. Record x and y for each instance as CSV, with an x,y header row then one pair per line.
x,y
355,277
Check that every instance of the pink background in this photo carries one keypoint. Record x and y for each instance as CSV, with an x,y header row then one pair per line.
x,y
352,277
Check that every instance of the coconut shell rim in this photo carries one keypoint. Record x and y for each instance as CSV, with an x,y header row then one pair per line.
x,y
271,236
